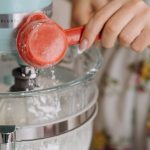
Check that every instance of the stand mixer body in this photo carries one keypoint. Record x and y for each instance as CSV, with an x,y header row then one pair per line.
x,y
48,109
11,14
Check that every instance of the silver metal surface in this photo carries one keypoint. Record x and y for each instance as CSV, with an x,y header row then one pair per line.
x,y
9,146
7,137
54,129
13,20
11,134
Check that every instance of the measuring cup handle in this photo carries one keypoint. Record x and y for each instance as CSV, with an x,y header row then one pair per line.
x,y
74,35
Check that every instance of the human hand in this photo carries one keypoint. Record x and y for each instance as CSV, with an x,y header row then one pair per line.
x,y
127,21
83,10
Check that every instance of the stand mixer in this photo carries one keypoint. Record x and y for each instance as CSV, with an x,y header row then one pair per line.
x,y
46,109
11,15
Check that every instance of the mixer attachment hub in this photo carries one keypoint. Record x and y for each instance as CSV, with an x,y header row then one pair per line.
x,y
25,79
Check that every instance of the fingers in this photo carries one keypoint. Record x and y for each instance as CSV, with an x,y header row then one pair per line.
x,y
98,4
142,41
125,20
81,12
118,21
96,23
133,29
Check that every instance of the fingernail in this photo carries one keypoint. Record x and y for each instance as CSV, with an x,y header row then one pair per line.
x,y
84,44
79,51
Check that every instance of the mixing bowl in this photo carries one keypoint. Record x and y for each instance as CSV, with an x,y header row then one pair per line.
x,y
58,114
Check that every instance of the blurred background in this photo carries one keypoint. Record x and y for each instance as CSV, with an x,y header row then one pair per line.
x,y
123,120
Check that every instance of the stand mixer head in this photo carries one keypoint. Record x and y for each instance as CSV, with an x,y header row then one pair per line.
x,y
36,113
12,13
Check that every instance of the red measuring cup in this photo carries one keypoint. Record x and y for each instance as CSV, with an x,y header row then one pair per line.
x,y
42,43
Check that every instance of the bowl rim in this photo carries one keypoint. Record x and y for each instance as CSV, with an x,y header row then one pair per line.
x,y
79,80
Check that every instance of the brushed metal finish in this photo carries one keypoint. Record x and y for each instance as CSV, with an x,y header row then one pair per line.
x,y
8,146
54,129
7,137
13,20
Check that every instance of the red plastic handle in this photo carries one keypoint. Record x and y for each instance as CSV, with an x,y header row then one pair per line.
x,y
74,35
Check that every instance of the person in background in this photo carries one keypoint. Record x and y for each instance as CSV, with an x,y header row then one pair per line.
x,y
125,75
